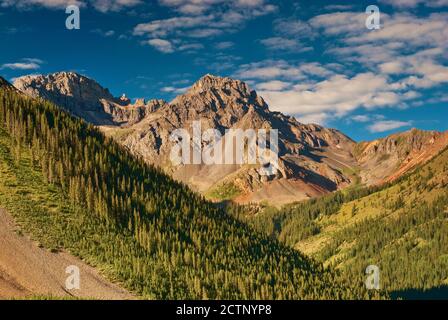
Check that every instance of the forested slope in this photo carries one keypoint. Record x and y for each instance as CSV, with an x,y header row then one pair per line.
x,y
72,188
401,227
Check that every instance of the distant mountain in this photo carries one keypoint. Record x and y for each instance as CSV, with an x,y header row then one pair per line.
x,y
387,159
400,227
313,160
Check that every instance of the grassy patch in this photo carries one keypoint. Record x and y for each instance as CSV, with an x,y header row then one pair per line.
x,y
224,191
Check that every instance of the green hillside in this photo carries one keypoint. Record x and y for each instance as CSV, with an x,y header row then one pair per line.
x,y
72,188
401,227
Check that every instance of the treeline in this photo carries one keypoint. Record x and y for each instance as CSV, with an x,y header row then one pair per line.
x,y
158,237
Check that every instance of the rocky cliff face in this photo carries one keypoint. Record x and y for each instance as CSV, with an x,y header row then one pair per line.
x,y
313,160
311,157
84,97
386,159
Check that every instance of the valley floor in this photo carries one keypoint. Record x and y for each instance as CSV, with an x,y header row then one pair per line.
x,y
27,270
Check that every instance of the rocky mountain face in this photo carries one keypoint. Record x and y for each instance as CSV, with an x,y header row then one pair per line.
x,y
223,104
387,159
312,160
85,98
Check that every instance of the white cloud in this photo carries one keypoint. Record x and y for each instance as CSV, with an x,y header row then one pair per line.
x,y
317,118
409,51
280,43
191,47
338,23
203,19
281,69
294,28
114,5
50,4
224,45
406,4
274,85
376,69
100,5
161,45
361,118
20,66
337,95
24,64
387,125
392,67
170,89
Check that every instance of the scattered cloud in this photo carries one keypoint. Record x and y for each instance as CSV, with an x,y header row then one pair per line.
x,y
274,85
388,125
114,5
100,5
338,7
406,4
317,118
385,68
24,64
282,69
170,89
202,19
360,118
285,44
161,45
293,27
363,118
224,45
104,33
337,95
50,4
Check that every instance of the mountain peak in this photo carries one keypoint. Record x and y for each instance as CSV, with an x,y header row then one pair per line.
x,y
209,81
77,93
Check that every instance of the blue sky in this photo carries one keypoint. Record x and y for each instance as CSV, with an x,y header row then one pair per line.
x,y
315,60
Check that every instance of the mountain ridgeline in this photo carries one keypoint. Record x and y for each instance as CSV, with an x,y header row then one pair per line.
x,y
313,160
74,188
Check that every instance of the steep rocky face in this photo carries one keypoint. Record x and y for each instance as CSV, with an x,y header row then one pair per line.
x,y
387,159
78,94
311,158
83,97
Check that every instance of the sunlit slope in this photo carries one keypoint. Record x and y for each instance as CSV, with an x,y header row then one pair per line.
x,y
401,227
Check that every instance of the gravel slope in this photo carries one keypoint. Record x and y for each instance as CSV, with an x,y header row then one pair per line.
x,y
26,270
